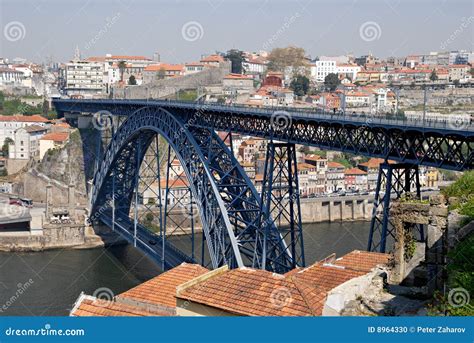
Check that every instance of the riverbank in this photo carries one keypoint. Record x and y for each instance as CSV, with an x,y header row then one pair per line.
x,y
53,237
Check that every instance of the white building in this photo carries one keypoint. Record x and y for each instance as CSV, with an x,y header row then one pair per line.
x,y
26,142
321,69
53,140
9,124
9,76
348,70
84,78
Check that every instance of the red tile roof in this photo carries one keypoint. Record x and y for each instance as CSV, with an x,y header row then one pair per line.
x,y
332,164
238,76
362,260
92,307
161,290
165,67
300,292
213,58
55,136
354,171
35,118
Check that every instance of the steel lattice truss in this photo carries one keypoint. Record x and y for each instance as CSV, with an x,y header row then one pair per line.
x,y
434,145
229,206
393,182
281,206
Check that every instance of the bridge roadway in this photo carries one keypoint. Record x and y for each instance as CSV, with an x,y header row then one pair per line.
x,y
445,144
148,242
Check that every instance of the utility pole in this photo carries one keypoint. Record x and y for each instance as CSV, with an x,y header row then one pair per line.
x,y
424,104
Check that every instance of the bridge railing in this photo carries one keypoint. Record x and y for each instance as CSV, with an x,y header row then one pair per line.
x,y
451,122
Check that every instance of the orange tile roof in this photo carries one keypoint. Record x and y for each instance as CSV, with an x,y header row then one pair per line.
x,y
249,292
92,307
362,260
300,292
213,58
165,67
125,57
35,118
354,171
332,164
161,290
238,76
55,136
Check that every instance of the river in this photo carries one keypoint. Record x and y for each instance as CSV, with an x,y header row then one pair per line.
x,y
48,283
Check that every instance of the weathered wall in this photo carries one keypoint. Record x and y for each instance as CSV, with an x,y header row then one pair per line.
x,y
53,237
167,87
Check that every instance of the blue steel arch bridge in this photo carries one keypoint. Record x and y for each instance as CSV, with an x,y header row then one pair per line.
x,y
240,226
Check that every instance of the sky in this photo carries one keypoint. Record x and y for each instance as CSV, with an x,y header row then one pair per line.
x,y
180,30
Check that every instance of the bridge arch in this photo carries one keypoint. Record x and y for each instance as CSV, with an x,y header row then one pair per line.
x,y
229,205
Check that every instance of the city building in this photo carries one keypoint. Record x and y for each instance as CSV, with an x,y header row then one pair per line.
x,y
25,144
156,72
9,124
84,78
321,69
355,179
53,140
9,76
335,177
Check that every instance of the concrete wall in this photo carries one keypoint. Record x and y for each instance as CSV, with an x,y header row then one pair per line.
x,y
337,209
52,237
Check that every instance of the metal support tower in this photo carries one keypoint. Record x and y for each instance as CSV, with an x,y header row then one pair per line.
x,y
393,182
281,203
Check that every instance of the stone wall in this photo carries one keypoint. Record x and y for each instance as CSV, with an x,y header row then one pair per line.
x,y
428,263
167,87
52,237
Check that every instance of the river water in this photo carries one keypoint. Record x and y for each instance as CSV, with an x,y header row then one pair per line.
x,y
48,283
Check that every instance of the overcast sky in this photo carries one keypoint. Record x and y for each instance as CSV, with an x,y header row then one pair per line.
x,y
183,30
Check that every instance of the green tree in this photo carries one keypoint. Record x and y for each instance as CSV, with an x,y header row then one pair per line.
x,y
2,100
433,76
6,143
45,108
300,85
331,81
236,57
122,65
161,74
132,81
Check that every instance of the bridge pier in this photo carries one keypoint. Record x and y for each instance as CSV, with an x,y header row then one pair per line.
x,y
281,201
394,181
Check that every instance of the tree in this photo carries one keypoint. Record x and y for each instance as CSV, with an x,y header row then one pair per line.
x,y
331,81
281,58
2,100
161,74
45,107
433,76
6,143
236,57
300,85
132,81
122,65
